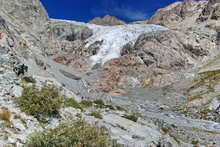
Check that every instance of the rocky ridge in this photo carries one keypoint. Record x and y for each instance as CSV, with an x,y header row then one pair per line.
x,y
107,21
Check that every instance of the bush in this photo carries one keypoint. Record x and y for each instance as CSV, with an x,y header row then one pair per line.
x,y
96,115
86,103
110,107
72,134
42,103
72,103
28,79
99,102
131,117
120,108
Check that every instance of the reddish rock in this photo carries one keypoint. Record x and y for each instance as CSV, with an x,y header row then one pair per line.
x,y
60,59
107,21
119,92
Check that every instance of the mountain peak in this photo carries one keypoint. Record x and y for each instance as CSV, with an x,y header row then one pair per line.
x,y
107,21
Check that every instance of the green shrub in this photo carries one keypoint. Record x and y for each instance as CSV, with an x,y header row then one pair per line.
x,y
120,108
72,134
131,117
195,142
86,103
110,107
72,103
28,79
40,103
99,102
96,114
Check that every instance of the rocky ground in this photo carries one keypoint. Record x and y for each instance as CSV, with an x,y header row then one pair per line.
x,y
164,72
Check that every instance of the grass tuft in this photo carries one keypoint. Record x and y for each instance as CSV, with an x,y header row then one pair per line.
x,y
96,114
28,79
86,103
131,117
120,108
195,142
72,103
40,103
99,102
72,134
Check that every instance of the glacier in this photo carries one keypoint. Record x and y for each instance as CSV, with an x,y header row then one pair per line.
x,y
112,45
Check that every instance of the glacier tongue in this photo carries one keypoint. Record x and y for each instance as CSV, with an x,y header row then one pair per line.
x,y
115,37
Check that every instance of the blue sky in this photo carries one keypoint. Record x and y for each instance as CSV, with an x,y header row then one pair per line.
x,y
85,10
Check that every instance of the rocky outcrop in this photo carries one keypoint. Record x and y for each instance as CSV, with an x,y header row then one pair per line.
x,y
30,14
171,49
179,12
107,21
211,11
62,30
154,60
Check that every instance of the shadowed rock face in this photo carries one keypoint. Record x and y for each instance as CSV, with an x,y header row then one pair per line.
x,y
107,21
2,23
69,32
211,11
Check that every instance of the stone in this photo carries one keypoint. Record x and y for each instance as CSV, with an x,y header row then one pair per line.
x,y
69,112
18,125
17,91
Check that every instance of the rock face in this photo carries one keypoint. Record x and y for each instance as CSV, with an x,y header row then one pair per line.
x,y
154,60
211,11
70,32
168,74
107,21
28,13
178,12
